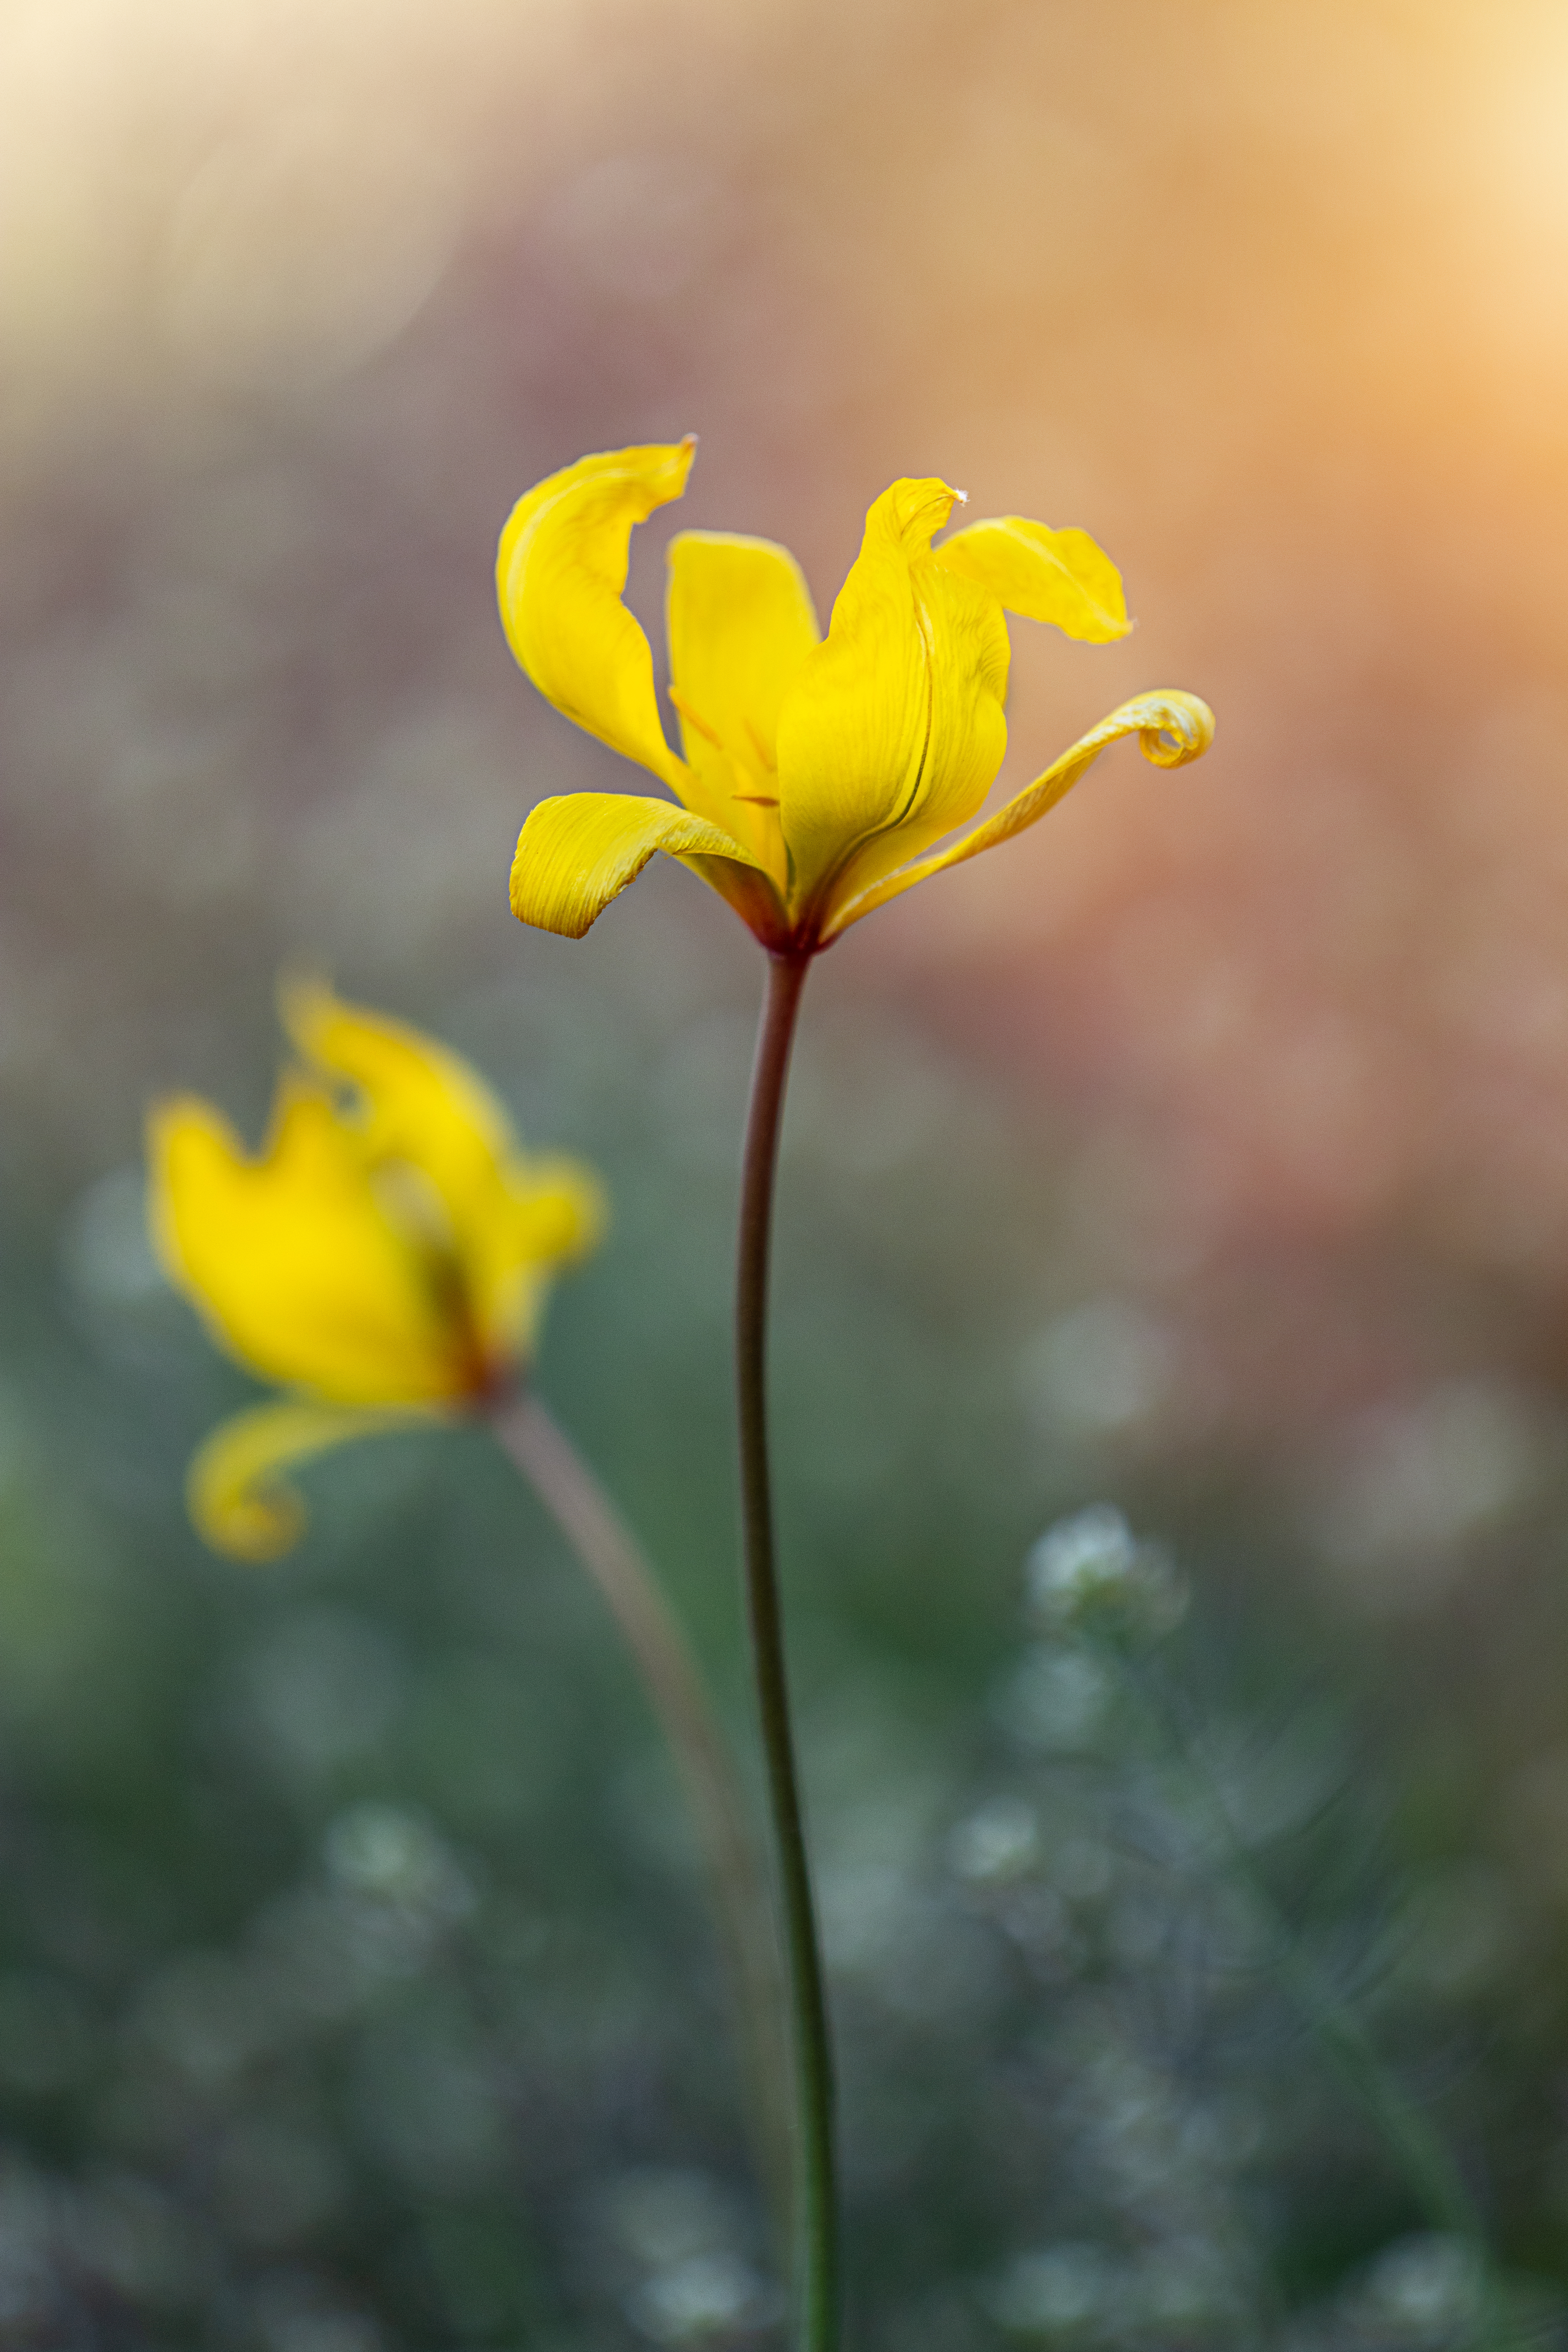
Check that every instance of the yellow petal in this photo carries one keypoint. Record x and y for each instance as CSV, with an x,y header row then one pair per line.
x,y
559,1212
555,1214
740,624
575,853
422,1102
1172,728
508,1222
292,1258
236,1490
560,573
895,728
1059,576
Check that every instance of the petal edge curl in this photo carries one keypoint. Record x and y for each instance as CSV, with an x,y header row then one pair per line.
x,y
576,853
560,572
1172,726
1060,577
240,1501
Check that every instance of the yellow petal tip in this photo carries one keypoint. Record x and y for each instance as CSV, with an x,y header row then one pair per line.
x,y
240,1497
261,1528
1182,729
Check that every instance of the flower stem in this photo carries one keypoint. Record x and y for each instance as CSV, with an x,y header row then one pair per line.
x,y
615,1563
816,2198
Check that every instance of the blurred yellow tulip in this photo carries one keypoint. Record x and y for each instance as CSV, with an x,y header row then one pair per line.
x,y
385,1257
818,775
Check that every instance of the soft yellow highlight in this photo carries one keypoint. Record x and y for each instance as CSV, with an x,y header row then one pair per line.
x,y
386,1254
818,777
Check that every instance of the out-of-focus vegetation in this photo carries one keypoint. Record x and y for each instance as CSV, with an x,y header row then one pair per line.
x,y
357,1985
1207,1156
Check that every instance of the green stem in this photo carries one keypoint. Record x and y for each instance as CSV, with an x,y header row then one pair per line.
x,y
815,2202
1419,2152
615,1561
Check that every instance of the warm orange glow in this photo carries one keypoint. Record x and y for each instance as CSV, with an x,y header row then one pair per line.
x,y
1269,300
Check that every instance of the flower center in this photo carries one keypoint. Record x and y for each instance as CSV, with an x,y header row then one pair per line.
x,y
754,780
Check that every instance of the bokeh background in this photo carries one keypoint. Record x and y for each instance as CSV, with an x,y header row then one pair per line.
x,y
1204,1153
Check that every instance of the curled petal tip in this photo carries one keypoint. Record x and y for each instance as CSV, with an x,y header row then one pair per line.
x,y
1172,728
1181,728
240,1489
257,1527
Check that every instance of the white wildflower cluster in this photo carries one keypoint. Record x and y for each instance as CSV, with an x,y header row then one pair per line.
x,y
1089,1574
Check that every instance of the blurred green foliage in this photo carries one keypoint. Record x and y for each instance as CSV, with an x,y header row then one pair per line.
x,y
355,1987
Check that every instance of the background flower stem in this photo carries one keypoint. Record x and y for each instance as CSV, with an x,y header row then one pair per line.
x,y
1419,2152
816,2198
615,1561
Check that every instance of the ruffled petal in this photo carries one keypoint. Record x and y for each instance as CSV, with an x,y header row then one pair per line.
x,y
1059,576
575,853
740,624
894,725
559,575
292,1258
235,1489
1172,728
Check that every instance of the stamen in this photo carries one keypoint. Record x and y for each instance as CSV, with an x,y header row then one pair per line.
x,y
761,748
693,719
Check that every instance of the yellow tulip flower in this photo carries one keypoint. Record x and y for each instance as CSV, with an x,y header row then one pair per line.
x,y
818,776
385,1257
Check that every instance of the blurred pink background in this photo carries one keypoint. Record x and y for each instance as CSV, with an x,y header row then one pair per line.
x,y
295,300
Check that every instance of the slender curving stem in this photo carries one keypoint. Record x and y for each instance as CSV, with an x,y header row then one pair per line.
x,y
615,1561
816,2194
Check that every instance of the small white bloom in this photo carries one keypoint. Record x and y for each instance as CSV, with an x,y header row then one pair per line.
x,y
1091,1569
